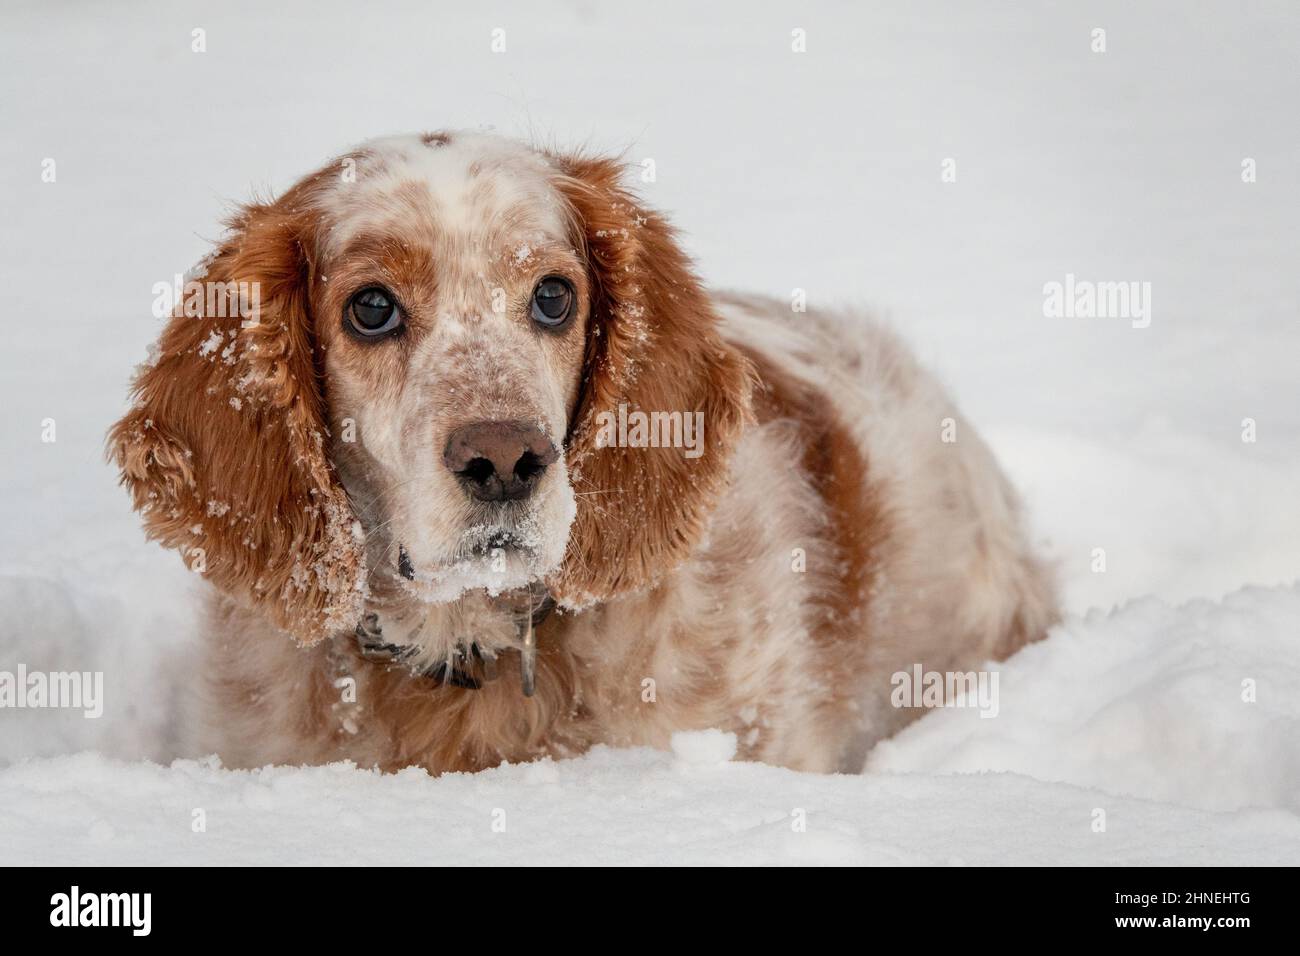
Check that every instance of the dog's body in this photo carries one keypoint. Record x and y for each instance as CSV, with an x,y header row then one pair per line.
x,y
840,523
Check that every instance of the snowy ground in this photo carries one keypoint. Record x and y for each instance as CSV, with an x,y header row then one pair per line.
x,y
818,171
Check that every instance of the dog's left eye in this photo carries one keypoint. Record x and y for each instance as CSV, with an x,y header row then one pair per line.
x,y
552,302
373,312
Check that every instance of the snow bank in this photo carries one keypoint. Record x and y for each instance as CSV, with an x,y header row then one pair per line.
x,y
1194,705
135,637
610,807
1144,702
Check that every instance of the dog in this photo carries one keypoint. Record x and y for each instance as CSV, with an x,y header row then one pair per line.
x,y
488,475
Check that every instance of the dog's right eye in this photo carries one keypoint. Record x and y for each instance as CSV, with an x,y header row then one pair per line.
x,y
373,312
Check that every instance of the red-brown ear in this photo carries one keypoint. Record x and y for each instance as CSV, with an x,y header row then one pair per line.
x,y
653,345
224,448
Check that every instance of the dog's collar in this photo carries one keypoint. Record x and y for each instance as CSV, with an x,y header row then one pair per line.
x,y
469,655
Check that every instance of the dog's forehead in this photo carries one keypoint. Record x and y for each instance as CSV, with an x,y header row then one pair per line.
x,y
465,185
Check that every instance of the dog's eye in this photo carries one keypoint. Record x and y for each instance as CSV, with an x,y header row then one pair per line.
x,y
373,312
552,302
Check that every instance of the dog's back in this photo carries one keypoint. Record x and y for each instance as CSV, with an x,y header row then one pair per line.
x,y
947,578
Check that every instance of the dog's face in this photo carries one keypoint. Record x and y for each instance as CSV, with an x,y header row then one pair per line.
x,y
414,410
452,298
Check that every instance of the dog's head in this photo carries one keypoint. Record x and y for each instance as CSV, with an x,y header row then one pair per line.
x,y
401,379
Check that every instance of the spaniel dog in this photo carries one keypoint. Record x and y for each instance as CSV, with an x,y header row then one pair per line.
x,y
485,473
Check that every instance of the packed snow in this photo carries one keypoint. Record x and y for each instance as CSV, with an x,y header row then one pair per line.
x,y
1157,724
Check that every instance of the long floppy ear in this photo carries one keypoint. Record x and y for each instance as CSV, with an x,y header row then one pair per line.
x,y
652,346
223,450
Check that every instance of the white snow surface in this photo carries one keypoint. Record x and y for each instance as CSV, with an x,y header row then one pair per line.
x,y
1167,698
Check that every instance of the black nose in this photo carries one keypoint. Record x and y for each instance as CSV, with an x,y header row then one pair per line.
x,y
498,461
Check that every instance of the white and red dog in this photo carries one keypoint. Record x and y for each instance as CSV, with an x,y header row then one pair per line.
x,y
490,475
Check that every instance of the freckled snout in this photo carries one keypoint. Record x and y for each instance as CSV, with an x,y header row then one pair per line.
x,y
498,461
